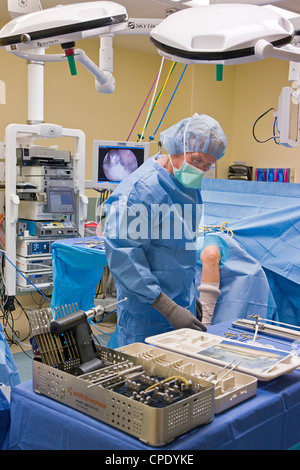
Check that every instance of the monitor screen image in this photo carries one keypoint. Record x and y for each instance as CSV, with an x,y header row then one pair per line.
x,y
115,161
60,200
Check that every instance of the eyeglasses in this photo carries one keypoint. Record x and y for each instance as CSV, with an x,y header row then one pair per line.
x,y
199,163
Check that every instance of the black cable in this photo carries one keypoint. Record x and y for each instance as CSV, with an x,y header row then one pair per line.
x,y
8,324
26,315
43,299
253,128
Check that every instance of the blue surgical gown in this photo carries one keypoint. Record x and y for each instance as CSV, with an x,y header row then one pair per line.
x,y
150,244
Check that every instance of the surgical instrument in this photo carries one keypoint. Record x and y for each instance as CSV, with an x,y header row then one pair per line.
x,y
66,341
230,370
271,330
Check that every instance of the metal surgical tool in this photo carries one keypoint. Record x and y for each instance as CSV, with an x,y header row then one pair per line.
x,y
230,370
215,374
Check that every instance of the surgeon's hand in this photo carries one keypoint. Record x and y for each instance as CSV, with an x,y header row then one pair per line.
x,y
178,317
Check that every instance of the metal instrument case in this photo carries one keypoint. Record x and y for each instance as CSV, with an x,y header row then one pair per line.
x,y
154,426
237,388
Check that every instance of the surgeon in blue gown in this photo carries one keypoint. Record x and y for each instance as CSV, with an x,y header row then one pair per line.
x,y
151,232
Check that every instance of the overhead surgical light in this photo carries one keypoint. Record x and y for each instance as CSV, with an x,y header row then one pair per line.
x,y
225,34
29,35
63,24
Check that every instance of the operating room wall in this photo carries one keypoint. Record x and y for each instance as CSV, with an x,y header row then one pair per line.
x,y
209,96
257,89
245,92
73,102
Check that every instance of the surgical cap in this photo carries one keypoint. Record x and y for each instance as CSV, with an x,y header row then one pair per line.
x,y
200,133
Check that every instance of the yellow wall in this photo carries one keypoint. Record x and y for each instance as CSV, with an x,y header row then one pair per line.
x,y
258,86
244,94
214,98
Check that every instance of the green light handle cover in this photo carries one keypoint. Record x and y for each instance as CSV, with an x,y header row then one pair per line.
x,y
72,65
219,72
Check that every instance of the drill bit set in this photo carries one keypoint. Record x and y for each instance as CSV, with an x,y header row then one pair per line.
x,y
56,350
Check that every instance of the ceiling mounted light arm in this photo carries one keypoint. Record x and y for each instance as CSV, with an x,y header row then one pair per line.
x,y
104,80
265,50
36,57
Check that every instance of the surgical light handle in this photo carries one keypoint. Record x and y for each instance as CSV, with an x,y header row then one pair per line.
x,y
265,50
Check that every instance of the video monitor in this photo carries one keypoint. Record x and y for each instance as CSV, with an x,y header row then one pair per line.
x,y
60,200
114,161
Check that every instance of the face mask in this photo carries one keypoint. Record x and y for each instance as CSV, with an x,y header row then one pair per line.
x,y
188,175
